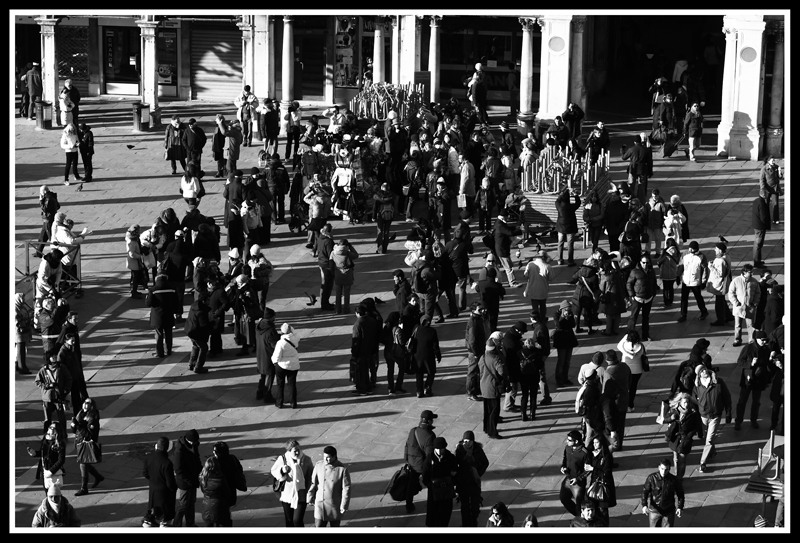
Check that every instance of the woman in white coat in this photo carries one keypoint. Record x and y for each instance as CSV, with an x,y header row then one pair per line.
x,y
632,350
70,143
287,364
294,469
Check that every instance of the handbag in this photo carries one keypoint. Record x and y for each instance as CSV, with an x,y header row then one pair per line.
x,y
598,490
89,452
166,154
406,188
411,257
595,296
660,419
645,360
279,484
462,200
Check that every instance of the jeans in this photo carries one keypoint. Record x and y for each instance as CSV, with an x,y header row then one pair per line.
x,y
543,384
737,327
294,517
384,232
484,220
633,385
698,295
758,243
401,371
163,335
571,496
562,365
509,269
645,308
539,305
657,236
669,291
530,388
694,143
286,377
679,459
72,161
570,240
343,291
773,206
220,168
230,164
183,165
744,394
184,506
44,235
612,324
199,351
461,291
362,373
656,519
87,165
195,157
711,425
473,375
427,302
594,236
326,285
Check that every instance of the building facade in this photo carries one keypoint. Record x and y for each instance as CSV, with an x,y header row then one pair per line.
x,y
595,61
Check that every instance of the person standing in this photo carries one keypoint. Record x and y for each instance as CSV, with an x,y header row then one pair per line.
x,y
341,258
719,280
512,349
684,425
246,103
744,294
324,250
329,490
23,322
296,469
86,425
163,304
589,517
757,371
478,331
668,270
216,494
693,127
197,328
573,486
55,511
67,358
193,140
54,380
541,339
270,126
34,80
48,202
632,350
427,355
620,373
187,477
642,291
438,474
659,494
401,290
267,337
761,223
564,341
232,143
70,142
86,148
770,181
159,471
287,364
539,277
713,397
74,97
567,224
493,382
364,343
472,464
233,475
418,448
173,143
384,203
134,261
693,279
458,250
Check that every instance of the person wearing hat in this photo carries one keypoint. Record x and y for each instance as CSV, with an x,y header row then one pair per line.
x,y
493,382
477,332
267,337
55,511
472,464
187,472
757,371
194,139
719,279
329,490
693,279
419,447
564,341
744,294
287,364
438,474
595,365
713,398
246,310
573,486
160,473
620,373
512,348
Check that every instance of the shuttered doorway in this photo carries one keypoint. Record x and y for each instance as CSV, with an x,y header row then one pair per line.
x,y
216,62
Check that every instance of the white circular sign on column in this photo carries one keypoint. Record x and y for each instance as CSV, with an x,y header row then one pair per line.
x,y
748,54
556,44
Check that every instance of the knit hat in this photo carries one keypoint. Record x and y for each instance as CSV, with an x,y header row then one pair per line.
x,y
286,328
255,249
469,434
59,217
440,443
179,233
611,356
565,304
54,490
698,368
192,436
758,334
269,313
694,246
598,358
234,253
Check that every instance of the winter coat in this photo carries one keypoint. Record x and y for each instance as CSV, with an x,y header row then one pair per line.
x,y
472,464
52,458
298,480
695,269
70,142
458,251
615,215
493,372
491,293
45,517
285,354
134,252
744,295
344,268
718,277
693,124
620,373
163,304
477,333
194,138
688,427
659,493
758,376
602,469
566,205
197,326
539,277
761,216
173,142
502,238
23,321
402,291
612,294
53,382
563,335
427,353
439,471
642,283
218,144
419,445
584,293
216,496
713,399
233,141
631,355
187,465
329,490
512,349
668,263
773,314
267,337
158,469
593,216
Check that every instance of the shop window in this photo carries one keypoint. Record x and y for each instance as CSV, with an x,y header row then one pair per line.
x,y
73,56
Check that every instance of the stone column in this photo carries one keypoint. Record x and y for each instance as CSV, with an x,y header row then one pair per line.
x,y
378,53
554,75
50,86
525,118
726,115
418,43
395,49
774,143
408,49
433,59
287,68
744,136
248,58
149,67
578,91
262,57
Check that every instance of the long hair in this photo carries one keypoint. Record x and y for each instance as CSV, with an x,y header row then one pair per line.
x,y
676,400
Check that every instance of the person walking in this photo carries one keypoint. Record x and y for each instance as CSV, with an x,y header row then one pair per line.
x,y
587,292
197,328
296,470
233,474
757,371
491,291
55,511
86,148
502,246
642,291
418,448
712,397
693,279
493,382
324,249
52,452
589,517
612,297
573,486
744,294
69,360
187,477
667,263
500,517
662,496
329,490
567,224
218,146
472,464
427,355
512,349
218,304
384,214
684,424
620,373
599,470
70,142
394,352
761,223
160,473
364,343
693,128
477,332
267,337
173,144
54,381
655,211
287,365
194,139
539,277
216,493
342,257
438,474
632,350
33,79
134,261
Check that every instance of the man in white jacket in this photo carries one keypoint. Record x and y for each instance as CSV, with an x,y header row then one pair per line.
x,y
744,294
693,279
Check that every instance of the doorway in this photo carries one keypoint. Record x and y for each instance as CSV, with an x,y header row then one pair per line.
x,y
309,52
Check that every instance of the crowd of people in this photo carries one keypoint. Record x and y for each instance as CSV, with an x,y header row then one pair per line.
x,y
435,170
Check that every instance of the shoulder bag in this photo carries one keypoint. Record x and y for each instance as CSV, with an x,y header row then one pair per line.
x,y
89,452
598,490
279,484
645,360
595,296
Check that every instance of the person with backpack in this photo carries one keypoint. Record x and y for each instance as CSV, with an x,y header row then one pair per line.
x,y
384,203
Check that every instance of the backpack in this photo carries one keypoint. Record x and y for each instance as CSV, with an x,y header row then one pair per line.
x,y
528,363
387,212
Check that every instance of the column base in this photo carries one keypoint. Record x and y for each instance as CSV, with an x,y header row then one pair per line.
x,y
526,122
723,139
745,143
774,142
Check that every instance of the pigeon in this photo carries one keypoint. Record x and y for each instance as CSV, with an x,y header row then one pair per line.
x,y
129,146
80,187
722,239
312,299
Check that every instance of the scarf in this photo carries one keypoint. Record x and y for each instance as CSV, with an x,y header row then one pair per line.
x,y
297,479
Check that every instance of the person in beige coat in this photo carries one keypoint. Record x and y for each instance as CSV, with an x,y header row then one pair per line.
x,y
743,293
329,490
295,469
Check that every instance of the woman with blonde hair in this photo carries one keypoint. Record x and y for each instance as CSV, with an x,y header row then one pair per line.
x,y
684,424
293,469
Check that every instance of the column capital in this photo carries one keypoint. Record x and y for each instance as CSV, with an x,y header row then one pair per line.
x,y
246,24
527,23
435,19
418,21
288,19
395,20
578,23
729,31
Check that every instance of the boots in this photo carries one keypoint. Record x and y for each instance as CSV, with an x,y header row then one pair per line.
x,y
84,487
260,393
97,480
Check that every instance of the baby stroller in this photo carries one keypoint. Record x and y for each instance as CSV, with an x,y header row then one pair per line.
x,y
299,219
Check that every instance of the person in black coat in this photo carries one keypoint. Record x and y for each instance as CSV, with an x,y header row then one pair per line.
x,y
187,477
502,246
472,464
158,470
364,344
267,337
218,303
401,290
587,287
438,474
197,328
458,250
757,371
573,118
567,204
637,166
491,292
177,256
512,349
427,355
234,196
194,139
761,223
52,451
163,304
67,359
615,214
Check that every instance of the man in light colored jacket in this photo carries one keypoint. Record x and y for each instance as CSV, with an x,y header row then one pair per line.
x,y
329,490
693,279
744,294
467,181
539,276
